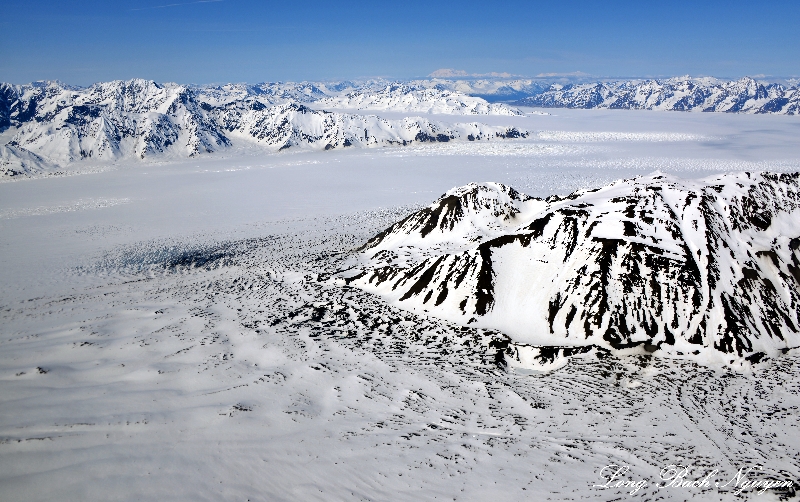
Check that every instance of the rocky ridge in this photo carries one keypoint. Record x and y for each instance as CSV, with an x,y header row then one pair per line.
x,y
745,95
54,125
416,99
707,270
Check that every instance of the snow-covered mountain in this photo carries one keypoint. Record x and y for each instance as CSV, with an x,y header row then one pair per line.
x,y
745,95
45,126
415,99
284,126
110,120
55,125
708,270
272,92
19,162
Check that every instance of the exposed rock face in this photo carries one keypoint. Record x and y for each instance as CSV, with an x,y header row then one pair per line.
x,y
703,269
679,94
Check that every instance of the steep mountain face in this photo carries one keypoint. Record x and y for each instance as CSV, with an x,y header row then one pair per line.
x,y
18,162
415,99
708,270
55,125
679,94
109,121
7,97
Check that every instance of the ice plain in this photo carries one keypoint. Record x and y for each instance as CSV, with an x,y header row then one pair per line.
x,y
169,332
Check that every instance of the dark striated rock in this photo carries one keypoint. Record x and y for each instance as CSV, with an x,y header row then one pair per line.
x,y
708,270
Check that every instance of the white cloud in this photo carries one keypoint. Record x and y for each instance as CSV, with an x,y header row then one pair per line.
x,y
449,72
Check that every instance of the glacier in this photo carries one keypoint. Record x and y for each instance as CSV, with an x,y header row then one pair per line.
x,y
175,327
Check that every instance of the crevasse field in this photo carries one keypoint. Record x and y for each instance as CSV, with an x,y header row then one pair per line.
x,y
168,331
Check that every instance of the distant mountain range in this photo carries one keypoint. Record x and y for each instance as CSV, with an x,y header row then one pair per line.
x,y
415,99
707,270
45,126
48,124
745,95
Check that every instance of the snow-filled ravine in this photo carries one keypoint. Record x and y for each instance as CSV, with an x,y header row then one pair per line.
x,y
178,329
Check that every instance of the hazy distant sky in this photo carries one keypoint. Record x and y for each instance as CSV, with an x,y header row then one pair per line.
x,y
209,41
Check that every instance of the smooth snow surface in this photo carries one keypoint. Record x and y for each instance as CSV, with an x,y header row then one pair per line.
x,y
173,329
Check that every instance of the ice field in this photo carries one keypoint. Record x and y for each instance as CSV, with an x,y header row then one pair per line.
x,y
169,331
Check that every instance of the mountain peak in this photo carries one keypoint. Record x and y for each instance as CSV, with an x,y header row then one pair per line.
x,y
591,269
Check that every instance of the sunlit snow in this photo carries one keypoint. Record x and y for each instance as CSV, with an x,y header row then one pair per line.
x,y
174,328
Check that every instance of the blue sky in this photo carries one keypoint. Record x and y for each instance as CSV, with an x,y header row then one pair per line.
x,y
215,41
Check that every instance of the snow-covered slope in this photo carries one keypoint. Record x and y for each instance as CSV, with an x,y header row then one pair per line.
x,y
110,120
46,126
415,99
56,125
268,93
177,333
18,162
681,94
289,125
708,270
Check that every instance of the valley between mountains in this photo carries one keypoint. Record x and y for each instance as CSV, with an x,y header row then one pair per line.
x,y
50,128
496,318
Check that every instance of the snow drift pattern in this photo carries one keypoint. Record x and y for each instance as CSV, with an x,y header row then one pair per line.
x,y
708,270
678,94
